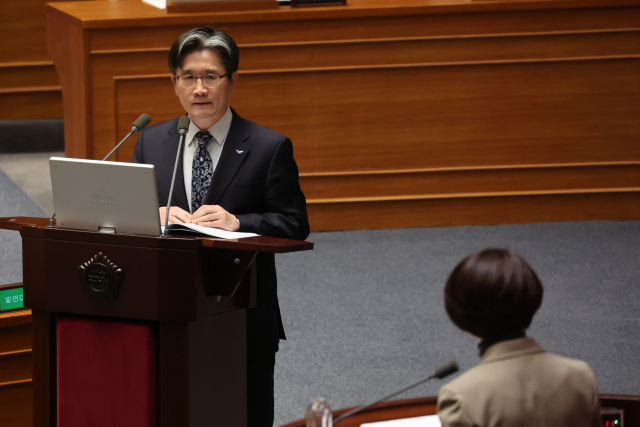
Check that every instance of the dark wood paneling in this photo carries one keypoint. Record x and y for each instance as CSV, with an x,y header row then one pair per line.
x,y
174,360
15,338
16,369
44,368
15,405
629,404
15,366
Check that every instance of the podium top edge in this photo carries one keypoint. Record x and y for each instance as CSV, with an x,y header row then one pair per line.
x,y
260,244
38,227
17,222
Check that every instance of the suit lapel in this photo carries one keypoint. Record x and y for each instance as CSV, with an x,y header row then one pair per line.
x,y
170,150
233,154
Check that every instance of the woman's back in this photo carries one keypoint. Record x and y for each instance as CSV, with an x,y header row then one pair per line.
x,y
518,383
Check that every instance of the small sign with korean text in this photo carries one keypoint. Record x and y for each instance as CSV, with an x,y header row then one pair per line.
x,y
11,299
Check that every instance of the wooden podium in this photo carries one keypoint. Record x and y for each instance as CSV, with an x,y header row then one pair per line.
x,y
187,294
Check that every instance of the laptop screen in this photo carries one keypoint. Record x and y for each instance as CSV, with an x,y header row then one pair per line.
x,y
105,196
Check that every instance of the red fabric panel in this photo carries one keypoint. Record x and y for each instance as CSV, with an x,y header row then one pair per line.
x,y
106,374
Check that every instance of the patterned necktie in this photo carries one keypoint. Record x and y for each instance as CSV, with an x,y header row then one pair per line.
x,y
202,170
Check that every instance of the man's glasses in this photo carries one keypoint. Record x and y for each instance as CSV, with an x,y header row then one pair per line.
x,y
188,81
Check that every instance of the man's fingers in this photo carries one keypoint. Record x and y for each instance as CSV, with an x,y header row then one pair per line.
x,y
212,217
207,210
173,219
180,215
176,215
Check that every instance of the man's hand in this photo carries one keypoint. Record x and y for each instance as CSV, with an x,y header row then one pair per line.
x,y
215,216
176,215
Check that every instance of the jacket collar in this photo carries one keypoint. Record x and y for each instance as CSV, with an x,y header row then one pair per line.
x,y
510,349
233,154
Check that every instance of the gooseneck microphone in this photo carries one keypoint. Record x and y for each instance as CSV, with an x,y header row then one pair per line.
x,y
137,126
440,373
183,126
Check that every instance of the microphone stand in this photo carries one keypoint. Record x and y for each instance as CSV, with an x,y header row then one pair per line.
x,y
121,142
183,134
443,371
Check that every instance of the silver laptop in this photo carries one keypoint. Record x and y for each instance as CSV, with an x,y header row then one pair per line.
x,y
111,197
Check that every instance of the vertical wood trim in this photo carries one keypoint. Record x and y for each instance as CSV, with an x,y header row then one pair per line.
x,y
68,47
173,366
44,384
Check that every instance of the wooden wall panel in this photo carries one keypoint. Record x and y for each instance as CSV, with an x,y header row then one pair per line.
x,y
398,23
16,392
66,43
28,75
15,366
481,210
22,31
417,117
168,106
438,50
29,86
391,185
31,104
123,104
15,405
449,121
15,338
29,90
392,105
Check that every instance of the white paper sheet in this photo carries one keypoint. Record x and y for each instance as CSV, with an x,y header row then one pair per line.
x,y
213,232
426,421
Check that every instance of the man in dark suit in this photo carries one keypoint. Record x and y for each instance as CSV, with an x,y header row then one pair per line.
x,y
232,174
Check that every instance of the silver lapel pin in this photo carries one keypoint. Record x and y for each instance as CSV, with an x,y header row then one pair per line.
x,y
239,151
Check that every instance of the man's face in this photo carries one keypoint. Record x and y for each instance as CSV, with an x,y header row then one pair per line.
x,y
204,105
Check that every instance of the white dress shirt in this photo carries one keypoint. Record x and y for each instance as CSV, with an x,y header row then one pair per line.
x,y
219,130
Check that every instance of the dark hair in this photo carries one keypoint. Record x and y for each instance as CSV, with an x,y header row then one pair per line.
x,y
203,38
492,292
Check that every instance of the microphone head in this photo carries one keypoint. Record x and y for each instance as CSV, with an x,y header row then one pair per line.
x,y
183,124
141,122
446,370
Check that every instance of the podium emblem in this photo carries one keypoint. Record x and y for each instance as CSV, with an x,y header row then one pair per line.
x,y
100,277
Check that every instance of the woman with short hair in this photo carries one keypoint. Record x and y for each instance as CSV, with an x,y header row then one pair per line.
x,y
493,294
